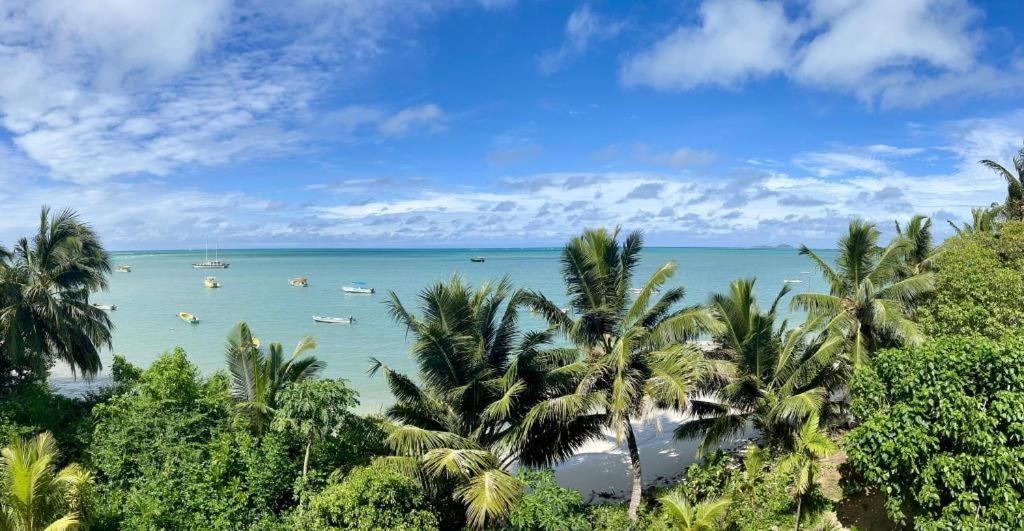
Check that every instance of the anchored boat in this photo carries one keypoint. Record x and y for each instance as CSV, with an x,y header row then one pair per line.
x,y
334,320
211,264
105,307
358,287
477,259
211,282
188,318
124,268
299,282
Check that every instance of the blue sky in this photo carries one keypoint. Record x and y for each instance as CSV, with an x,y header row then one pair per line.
x,y
502,122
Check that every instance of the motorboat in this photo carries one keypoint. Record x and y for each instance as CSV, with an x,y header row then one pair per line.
x,y
358,287
477,259
105,307
637,291
334,320
792,281
188,318
299,282
124,268
211,282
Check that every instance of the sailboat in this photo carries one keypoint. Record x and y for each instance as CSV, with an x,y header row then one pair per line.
x,y
211,264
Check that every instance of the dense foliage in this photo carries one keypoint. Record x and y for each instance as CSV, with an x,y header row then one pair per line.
x,y
369,498
979,285
942,432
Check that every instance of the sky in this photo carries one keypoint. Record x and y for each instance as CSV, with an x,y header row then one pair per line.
x,y
511,123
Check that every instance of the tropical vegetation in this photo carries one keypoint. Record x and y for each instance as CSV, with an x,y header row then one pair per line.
x,y
898,386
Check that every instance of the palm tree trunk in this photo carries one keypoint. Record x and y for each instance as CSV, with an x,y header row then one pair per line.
x,y
305,460
634,461
799,499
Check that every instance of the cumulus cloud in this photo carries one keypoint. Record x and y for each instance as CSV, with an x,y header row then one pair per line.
x,y
906,53
735,40
428,116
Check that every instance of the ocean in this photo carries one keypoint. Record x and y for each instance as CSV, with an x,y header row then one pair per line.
x,y
255,289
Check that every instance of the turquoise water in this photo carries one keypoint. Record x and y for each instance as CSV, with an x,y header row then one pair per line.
x,y
255,289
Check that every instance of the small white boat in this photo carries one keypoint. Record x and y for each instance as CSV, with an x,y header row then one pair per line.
x,y
188,318
124,268
792,281
299,282
334,320
211,282
358,287
105,307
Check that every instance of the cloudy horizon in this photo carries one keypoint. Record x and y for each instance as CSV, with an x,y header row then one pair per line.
x,y
502,123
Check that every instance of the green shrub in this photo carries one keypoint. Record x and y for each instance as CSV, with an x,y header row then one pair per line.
x,y
946,438
979,286
369,498
167,457
547,506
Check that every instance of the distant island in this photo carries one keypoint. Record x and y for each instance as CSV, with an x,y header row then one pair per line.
x,y
779,246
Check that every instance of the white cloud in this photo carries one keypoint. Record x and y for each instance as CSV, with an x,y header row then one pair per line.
x,y
97,90
736,40
748,205
583,28
429,116
904,53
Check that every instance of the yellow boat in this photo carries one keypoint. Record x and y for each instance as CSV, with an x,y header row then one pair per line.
x,y
188,318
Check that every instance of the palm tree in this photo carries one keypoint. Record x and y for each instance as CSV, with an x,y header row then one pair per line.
x,y
314,409
921,252
703,516
34,495
636,358
479,376
983,221
1013,208
869,305
45,282
257,376
775,378
811,446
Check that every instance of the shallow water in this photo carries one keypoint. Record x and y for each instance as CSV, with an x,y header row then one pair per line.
x,y
255,289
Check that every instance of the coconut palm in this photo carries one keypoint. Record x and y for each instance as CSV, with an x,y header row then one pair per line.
x,y
811,446
775,377
34,495
1013,208
983,221
258,374
462,424
45,282
636,358
920,250
869,305
686,516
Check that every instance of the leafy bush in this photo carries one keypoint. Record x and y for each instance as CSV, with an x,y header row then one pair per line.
x,y
979,286
31,409
546,505
943,432
370,498
168,458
